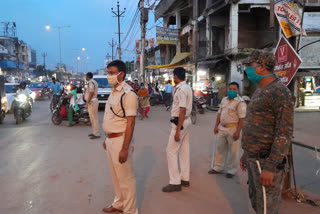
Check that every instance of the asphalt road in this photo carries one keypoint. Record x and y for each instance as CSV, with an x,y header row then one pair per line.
x,y
48,169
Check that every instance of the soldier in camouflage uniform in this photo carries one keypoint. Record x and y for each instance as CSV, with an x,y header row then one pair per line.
x,y
267,132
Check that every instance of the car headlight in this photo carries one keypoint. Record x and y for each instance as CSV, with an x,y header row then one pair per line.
x,y
33,95
21,98
4,100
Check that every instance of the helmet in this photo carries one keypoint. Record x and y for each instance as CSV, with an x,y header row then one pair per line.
x,y
22,83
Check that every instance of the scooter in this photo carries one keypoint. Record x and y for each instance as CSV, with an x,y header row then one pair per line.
x,y
80,116
22,107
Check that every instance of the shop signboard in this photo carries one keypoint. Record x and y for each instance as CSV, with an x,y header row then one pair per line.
x,y
287,61
167,35
288,17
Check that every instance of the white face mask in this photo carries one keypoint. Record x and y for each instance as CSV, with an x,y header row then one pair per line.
x,y
113,79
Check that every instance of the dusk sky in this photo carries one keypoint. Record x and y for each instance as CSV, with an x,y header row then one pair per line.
x,y
92,27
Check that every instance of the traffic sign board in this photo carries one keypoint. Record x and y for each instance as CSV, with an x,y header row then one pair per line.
x,y
288,61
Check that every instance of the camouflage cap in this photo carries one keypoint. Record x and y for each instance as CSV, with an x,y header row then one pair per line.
x,y
268,59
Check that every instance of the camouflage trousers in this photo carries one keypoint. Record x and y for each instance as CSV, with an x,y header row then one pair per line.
x,y
255,189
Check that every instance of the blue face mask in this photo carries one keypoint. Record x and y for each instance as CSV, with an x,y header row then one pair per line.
x,y
142,87
232,94
253,76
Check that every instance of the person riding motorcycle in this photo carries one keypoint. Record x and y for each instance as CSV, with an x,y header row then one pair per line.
x,y
24,90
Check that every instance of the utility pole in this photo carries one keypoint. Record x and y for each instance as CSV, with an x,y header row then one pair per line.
x,y
118,14
113,44
44,55
144,19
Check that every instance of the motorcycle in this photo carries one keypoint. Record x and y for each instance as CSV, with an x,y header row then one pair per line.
x,y
22,107
200,103
80,116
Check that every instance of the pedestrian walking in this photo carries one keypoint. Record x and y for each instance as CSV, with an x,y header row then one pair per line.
x,y
136,86
168,94
214,89
228,130
144,99
179,136
267,132
118,124
92,105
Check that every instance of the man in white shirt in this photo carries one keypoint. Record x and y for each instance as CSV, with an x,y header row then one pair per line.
x,y
179,137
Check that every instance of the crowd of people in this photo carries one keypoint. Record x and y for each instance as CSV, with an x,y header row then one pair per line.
x,y
263,128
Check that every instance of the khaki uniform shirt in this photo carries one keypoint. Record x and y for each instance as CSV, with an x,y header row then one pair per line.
x,y
182,98
232,111
92,87
113,123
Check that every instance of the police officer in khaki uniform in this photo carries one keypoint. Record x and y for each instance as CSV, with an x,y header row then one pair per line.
x,y
179,137
92,105
228,128
118,124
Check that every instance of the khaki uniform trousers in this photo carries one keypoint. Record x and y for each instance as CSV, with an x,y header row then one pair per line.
x,y
123,178
227,151
94,119
173,148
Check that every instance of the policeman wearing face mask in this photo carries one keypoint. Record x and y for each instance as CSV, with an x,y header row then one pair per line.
x,y
228,130
267,132
118,124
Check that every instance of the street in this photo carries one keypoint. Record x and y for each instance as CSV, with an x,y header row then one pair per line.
x,y
57,169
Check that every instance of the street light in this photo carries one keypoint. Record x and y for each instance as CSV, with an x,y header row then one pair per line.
x,y
83,49
48,27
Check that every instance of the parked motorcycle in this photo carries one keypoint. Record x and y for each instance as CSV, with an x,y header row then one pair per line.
x,y
80,116
200,103
22,107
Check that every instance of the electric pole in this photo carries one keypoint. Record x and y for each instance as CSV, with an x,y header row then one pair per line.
x,y
44,55
144,19
118,14
113,44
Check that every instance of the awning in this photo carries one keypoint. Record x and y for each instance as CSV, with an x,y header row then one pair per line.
x,y
177,58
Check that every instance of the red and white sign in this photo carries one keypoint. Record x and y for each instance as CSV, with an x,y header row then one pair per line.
x,y
288,61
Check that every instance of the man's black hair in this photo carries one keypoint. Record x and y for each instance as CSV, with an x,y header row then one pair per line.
x,y
120,65
180,73
53,78
90,75
234,83
213,79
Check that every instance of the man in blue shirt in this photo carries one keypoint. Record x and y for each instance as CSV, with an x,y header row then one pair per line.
x,y
56,91
168,94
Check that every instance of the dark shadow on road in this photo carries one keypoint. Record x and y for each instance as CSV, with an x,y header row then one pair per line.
x,y
238,202
145,160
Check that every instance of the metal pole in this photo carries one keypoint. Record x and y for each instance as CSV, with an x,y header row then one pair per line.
x,y
119,32
118,14
143,31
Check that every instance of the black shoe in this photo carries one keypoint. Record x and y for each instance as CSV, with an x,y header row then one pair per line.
x,y
94,137
228,175
171,188
185,183
213,172
90,135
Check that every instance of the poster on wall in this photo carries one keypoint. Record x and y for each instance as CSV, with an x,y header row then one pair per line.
x,y
289,19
